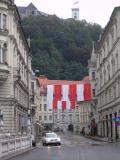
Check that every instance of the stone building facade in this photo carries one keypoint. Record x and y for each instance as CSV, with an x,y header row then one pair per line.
x,y
35,103
15,70
84,114
92,65
108,78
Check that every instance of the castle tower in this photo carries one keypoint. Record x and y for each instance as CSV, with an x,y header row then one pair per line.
x,y
75,11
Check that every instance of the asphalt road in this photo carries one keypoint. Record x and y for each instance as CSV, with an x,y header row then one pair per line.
x,y
74,147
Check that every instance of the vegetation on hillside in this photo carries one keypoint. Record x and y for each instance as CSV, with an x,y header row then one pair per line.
x,y
60,48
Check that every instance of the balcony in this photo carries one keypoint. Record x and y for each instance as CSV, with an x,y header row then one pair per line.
x,y
4,72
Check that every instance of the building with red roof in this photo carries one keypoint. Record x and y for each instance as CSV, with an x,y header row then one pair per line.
x,y
62,119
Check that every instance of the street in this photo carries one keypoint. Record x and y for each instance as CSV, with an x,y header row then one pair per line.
x,y
74,147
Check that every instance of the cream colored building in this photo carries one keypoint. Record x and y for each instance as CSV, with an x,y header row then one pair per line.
x,y
15,70
92,65
108,77
35,103
63,119
84,114
45,114
57,118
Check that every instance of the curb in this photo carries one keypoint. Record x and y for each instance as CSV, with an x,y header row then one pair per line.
x,y
96,139
15,154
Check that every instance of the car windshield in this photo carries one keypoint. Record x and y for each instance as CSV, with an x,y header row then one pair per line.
x,y
51,135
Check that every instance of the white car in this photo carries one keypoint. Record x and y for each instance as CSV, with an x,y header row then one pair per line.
x,y
51,138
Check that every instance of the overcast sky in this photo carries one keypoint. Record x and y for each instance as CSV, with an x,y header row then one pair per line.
x,y
95,11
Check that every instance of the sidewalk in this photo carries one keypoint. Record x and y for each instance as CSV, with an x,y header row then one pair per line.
x,y
96,138
14,154
17,153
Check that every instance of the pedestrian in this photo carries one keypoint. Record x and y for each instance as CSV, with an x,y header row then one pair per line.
x,y
83,131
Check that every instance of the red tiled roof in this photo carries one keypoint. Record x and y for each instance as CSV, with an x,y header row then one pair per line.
x,y
44,81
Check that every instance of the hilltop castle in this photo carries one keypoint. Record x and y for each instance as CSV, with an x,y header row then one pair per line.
x,y
30,10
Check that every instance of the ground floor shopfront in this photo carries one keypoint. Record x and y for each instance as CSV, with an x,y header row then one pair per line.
x,y
107,126
14,118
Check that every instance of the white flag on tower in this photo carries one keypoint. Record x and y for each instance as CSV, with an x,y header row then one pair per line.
x,y
76,2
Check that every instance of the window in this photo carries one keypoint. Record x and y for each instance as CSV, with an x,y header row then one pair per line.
x,y
63,117
70,117
0,20
40,118
50,117
93,92
55,117
3,21
3,50
45,107
77,118
40,107
45,118
93,75
33,12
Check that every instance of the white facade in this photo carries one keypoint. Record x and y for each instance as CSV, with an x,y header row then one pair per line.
x,y
108,78
45,114
15,70
57,118
75,13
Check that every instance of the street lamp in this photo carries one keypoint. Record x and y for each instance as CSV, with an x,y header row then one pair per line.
x,y
1,120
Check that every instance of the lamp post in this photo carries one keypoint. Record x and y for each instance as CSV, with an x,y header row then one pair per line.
x,y
1,120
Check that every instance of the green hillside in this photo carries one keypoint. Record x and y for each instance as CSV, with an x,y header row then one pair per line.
x,y
60,48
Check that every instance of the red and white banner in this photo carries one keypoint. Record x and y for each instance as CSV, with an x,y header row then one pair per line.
x,y
50,96
80,92
87,92
66,96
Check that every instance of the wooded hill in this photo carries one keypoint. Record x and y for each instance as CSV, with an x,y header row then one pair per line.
x,y
60,48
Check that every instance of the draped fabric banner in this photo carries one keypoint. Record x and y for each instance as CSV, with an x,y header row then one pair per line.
x,y
73,102
59,105
55,104
50,96
57,92
72,95
87,92
80,92
63,105
66,96
72,92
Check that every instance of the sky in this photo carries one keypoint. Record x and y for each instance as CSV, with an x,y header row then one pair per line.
x,y
94,11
